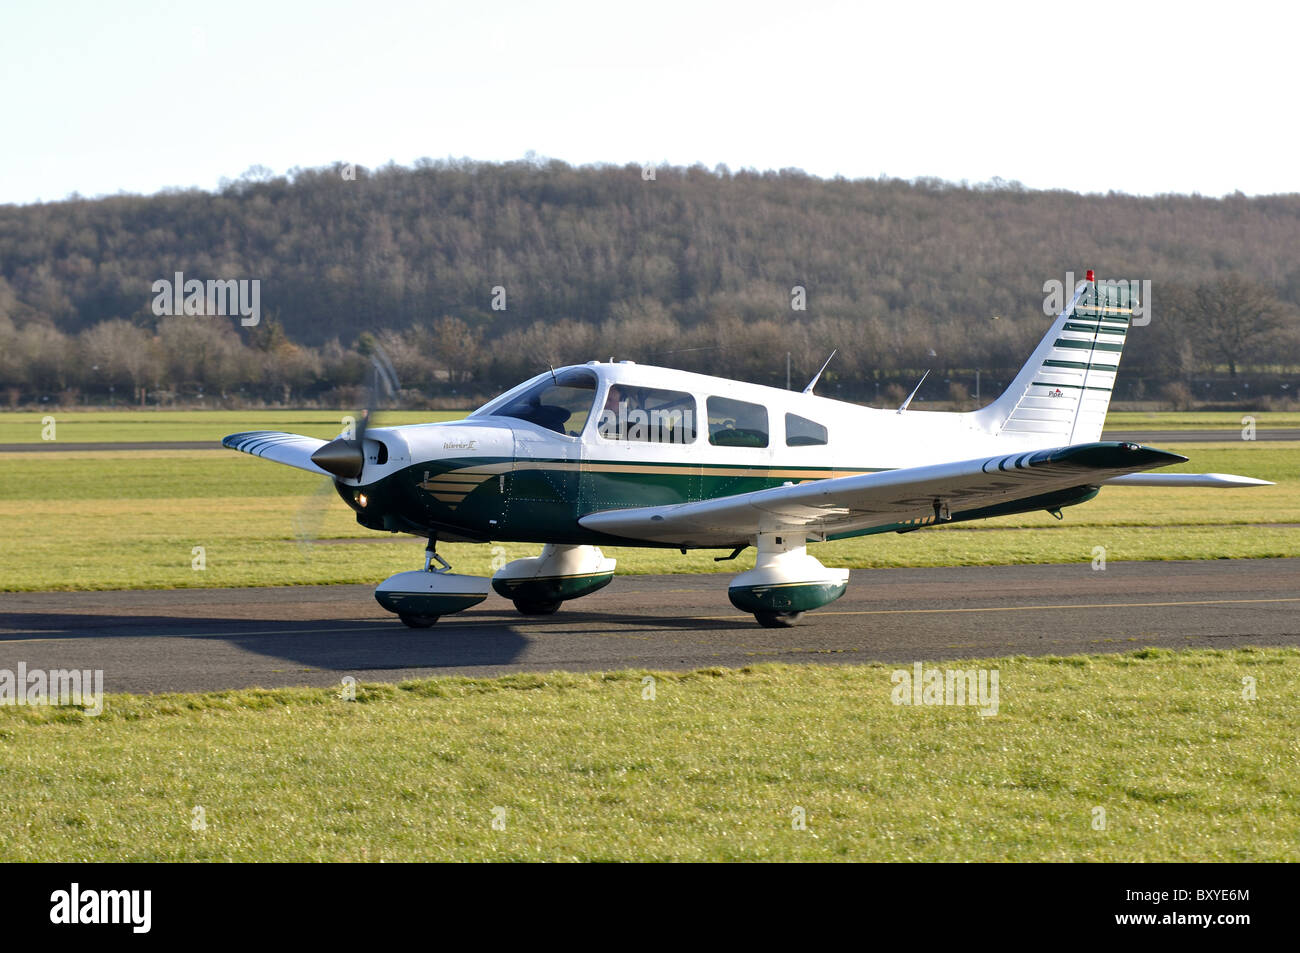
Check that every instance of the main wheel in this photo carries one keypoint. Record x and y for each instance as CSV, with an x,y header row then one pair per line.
x,y
537,608
418,621
777,620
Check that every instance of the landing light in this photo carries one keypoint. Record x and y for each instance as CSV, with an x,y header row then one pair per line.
x,y
361,500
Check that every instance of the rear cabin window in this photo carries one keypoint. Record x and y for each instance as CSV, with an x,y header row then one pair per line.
x,y
802,432
736,423
647,415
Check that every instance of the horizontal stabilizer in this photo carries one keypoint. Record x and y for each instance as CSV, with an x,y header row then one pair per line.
x,y
291,449
1186,479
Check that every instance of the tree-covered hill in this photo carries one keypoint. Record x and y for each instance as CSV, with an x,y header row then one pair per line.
x,y
689,267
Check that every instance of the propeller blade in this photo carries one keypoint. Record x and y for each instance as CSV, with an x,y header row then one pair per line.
x,y
309,520
362,424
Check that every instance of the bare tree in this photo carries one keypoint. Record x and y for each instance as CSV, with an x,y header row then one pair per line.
x,y
1232,319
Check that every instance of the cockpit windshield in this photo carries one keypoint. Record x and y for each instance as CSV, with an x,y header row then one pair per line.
x,y
561,401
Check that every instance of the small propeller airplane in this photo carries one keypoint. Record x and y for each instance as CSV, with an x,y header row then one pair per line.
x,y
635,455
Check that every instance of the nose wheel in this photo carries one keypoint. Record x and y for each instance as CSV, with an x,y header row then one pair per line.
x,y
777,620
422,596
419,621
529,607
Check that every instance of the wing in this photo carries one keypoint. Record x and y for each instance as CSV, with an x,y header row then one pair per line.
x,y
919,495
288,448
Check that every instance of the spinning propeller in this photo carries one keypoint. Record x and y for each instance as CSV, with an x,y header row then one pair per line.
x,y
345,456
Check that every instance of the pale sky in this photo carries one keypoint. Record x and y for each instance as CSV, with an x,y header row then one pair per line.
x,y
134,96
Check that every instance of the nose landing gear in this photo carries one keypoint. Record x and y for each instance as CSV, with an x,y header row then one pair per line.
x,y
422,596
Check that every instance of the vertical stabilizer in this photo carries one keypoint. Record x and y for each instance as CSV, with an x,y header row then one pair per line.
x,y
1062,393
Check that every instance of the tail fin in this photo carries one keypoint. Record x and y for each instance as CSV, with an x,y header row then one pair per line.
x,y
1061,394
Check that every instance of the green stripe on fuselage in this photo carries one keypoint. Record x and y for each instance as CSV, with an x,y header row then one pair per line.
x,y
398,502
542,500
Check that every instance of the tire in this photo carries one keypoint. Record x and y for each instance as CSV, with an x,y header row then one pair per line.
x,y
419,621
777,620
537,608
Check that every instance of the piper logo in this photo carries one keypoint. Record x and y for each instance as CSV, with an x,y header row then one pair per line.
x,y
103,907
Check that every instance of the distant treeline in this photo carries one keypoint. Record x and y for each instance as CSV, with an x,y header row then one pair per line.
x,y
472,276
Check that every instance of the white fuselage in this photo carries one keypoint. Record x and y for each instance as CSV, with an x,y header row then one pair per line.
x,y
858,438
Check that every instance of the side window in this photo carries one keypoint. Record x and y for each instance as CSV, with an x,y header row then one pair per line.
x,y
647,415
802,432
735,423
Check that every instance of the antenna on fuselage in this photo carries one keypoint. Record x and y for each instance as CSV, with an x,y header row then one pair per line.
x,y
818,376
914,390
554,380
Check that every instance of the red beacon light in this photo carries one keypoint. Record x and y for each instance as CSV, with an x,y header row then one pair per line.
x,y
1092,278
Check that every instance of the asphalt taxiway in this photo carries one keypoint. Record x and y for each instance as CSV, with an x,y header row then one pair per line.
x,y
207,639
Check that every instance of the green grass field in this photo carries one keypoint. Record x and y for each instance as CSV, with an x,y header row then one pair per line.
x,y
144,426
140,426
1184,767
131,519
1198,420
713,768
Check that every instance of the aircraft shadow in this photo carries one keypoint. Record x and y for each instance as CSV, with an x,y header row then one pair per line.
x,y
488,638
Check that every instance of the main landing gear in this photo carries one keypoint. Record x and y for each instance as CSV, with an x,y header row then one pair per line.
x,y
539,584
785,582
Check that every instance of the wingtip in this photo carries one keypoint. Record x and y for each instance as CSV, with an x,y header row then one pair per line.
x,y
1232,479
1227,479
233,440
1212,480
